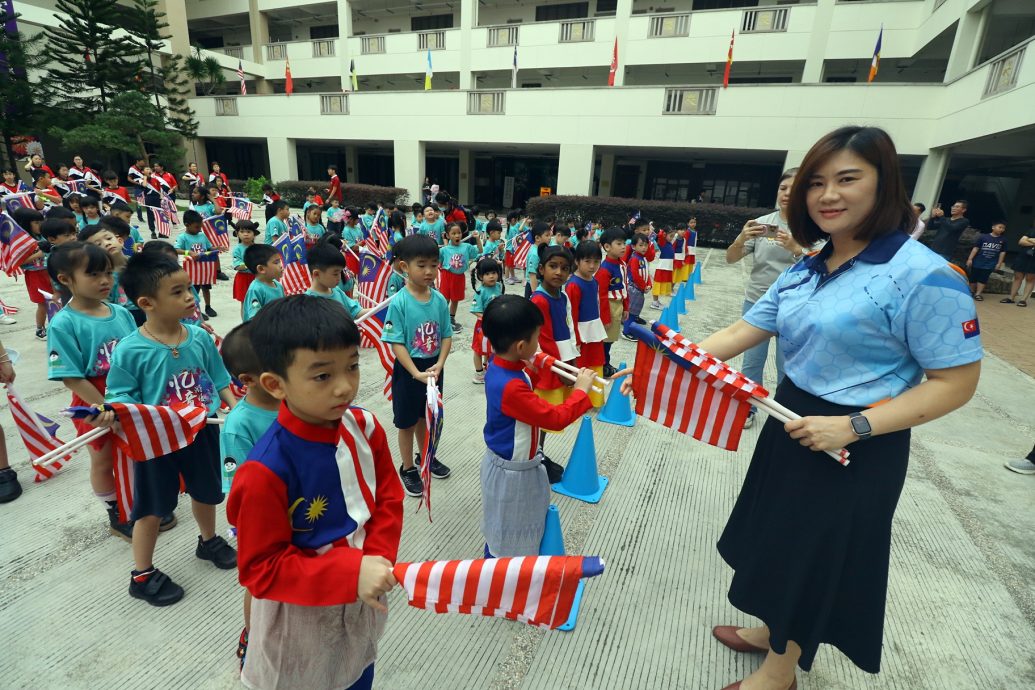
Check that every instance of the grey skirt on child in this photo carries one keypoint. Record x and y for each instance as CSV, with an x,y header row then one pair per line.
x,y
515,497
312,647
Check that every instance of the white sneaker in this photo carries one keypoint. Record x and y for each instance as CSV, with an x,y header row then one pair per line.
x,y
1022,466
479,377
6,320
656,305
750,421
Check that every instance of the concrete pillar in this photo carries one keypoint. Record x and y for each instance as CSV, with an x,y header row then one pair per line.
x,y
813,72
466,190
575,169
468,19
966,45
607,175
409,166
176,17
283,158
197,153
932,176
623,12
259,25
351,165
344,52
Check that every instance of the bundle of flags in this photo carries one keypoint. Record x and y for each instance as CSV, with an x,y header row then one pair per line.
x,y
241,208
296,278
163,223
295,225
538,590
370,329
16,245
377,238
434,414
39,434
215,229
374,273
679,385
202,268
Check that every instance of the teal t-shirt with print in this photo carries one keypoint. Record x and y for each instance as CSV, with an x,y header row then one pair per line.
x,y
455,258
396,282
434,229
532,265
242,429
197,242
80,346
315,230
259,295
484,296
206,210
275,227
144,371
338,295
419,326
352,236
237,255
492,248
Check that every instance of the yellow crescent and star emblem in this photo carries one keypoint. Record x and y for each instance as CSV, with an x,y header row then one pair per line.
x,y
316,509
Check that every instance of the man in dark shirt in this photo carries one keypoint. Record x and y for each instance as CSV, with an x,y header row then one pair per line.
x,y
947,231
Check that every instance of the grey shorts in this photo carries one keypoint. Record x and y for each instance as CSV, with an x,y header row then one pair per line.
x,y
515,498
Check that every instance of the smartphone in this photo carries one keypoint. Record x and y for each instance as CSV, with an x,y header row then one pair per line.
x,y
770,230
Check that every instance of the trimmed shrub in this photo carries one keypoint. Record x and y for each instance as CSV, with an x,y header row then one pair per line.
x,y
293,192
717,225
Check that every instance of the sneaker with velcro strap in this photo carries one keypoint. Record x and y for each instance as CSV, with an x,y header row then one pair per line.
x,y
154,587
438,470
222,555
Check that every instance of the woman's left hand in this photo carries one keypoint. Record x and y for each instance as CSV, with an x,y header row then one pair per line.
x,y
786,240
822,433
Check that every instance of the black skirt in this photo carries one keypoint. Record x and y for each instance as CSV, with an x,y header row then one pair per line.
x,y
809,539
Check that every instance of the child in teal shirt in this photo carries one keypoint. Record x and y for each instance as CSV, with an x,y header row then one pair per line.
x,y
325,267
268,266
488,272
277,224
193,242
454,259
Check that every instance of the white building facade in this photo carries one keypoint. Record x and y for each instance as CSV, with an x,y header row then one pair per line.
x,y
956,90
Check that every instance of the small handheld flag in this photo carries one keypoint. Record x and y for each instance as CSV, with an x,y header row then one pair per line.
x,y
163,224
371,329
16,245
353,76
296,279
38,433
241,208
433,417
215,229
875,62
203,268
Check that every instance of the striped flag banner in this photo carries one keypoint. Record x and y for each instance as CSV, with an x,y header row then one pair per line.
x,y
15,245
241,208
374,273
296,279
39,434
163,223
521,249
434,415
538,590
371,330
202,268
13,202
378,240
216,230
170,208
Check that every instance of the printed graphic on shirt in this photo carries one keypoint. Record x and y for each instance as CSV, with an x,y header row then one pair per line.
x,y
302,521
971,328
103,359
456,261
55,359
426,338
190,387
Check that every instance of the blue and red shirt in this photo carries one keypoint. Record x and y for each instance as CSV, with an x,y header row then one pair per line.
x,y
557,337
639,274
584,296
614,277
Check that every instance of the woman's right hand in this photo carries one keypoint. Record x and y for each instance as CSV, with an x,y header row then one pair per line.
x,y
750,231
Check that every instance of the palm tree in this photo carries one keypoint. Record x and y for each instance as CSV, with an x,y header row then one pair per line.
x,y
205,70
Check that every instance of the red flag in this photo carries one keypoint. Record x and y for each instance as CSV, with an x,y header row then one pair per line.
x,y
538,590
729,62
521,249
203,268
371,329
614,65
289,86
38,433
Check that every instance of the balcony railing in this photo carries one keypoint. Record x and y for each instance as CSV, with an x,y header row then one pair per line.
x,y
501,36
762,21
323,48
233,51
577,31
486,103
1002,74
371,45
276,51
226,106
690,101
334,104
668,25
431,40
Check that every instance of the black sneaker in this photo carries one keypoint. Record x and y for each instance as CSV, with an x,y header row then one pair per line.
x,y
438,470
41,333
242,646
10,489
209,311
167,523
457,327
609,371
412,484
222,276
554,471
154,587
218,551
123,530
204,316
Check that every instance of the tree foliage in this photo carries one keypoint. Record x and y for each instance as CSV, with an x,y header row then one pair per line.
x,y
132,124
19,102
205,70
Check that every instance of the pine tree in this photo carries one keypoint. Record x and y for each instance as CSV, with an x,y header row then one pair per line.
x,y
131,125
90,63
19,113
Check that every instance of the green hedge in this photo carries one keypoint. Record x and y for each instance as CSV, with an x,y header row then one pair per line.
x,y
717,225
293,192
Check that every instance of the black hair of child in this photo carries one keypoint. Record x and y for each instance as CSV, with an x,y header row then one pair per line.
x,y
160,247
25,217
237,352
120,206
508,319
72,256
418,247
550,251
110,175
540,229
144,273
116,225
258,255
89,200
587,249
322,256
249,225
60,213
331,239
90,230
487,265
55,227
493,225
562,230
639,239
276,206
191,217
299,322
611,236
512,216
397,221
371,206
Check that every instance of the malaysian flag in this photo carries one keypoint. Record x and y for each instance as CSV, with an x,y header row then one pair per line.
x,y
73,187
521,249
377,239
295,280
13,202
371,328
240,75
7,309
170,208
15,245
163,224
374,273
295,226
202,268
215,229
241,208
433,417
140,198
38,433
53,302
680,386
538,590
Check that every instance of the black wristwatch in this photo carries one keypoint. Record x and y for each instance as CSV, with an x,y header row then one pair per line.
x,y
860,425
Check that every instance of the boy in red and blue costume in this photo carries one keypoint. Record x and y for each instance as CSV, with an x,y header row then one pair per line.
x,y
613,278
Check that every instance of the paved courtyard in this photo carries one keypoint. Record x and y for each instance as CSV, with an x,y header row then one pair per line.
x,y
961,609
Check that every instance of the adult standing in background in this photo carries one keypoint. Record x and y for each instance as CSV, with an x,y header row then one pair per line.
x,y
81,171
139,185
217,173
37,166
334,190
947,231
773,250
918,229
425,191
1023,270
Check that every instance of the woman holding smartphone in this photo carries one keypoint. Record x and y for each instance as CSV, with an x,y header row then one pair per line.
x,y
768,240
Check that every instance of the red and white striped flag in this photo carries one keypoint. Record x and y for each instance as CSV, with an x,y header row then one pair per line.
x,y
38,433
163,224
215,229
203,268
433,418
296,278
15,245
521,249
538,590
374,274
241,208
170,208
8,309
240,75
371,329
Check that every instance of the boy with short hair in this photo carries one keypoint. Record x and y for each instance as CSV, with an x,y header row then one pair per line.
x,y
988,254
317,506
120,209
421,333
112,190
432,224
192,242
541,234
268,266
326,265
613,278
166,363
277,224
639,278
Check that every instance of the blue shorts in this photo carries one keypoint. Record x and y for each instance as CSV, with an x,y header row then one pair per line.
x,y
410,396
156,483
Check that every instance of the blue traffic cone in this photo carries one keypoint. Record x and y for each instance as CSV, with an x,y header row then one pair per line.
x,y
670,318
580,479
553,545
697,277
617,409
689,293
679,300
